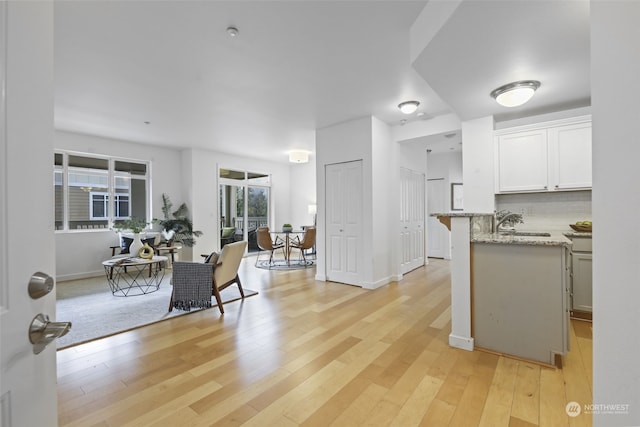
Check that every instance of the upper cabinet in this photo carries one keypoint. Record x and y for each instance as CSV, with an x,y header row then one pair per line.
x,y
552,156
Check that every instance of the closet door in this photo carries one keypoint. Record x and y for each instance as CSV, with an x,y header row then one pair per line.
x,y
344,222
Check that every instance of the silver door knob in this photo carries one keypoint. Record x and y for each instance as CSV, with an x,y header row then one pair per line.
x,y
40,285
42,332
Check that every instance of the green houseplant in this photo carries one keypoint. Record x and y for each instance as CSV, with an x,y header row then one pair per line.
x,y
287,228
133,224
176,225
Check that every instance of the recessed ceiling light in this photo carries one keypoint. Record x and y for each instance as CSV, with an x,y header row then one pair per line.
x,y
516,93
408,107
232,31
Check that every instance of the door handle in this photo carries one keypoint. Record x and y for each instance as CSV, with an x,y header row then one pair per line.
x,y
40,285
42,332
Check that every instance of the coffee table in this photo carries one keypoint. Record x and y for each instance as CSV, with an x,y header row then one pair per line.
x,y
128,276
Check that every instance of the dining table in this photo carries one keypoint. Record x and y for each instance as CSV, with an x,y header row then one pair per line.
x,y
289,235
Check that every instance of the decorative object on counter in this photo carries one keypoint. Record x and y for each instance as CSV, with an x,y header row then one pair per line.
x,y
287,228
508,219
584,226
177,227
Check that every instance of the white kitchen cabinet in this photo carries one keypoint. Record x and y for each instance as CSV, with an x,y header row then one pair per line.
x,y
522,161
570,156
554,156
581,277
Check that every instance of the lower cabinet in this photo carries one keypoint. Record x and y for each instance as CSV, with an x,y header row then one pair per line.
x,y
520,301
581,278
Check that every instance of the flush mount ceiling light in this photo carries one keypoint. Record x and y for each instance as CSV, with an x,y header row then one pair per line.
x,y
408,107
515,94
298,156
232,31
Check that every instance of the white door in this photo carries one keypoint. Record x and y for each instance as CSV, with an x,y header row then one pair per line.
x,y
437,233
344,222
28,390
412,212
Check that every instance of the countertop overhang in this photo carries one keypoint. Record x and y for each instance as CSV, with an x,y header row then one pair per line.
x,y
556,239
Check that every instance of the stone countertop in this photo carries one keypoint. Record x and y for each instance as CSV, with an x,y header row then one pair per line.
x,y
460,214
556,239
572,233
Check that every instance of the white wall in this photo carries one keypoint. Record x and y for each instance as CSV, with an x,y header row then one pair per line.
x,y
80,253
201,169
615,67
303,193
477,165
382,221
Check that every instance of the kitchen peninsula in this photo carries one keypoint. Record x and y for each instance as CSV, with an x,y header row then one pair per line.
x,y
509,293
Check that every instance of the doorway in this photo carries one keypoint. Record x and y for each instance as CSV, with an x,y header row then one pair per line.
x,y
244,206
412,211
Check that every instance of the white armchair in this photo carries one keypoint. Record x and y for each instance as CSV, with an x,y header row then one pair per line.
x,y
194,283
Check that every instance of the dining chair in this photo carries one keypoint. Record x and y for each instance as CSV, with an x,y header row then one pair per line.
x,y
265,243
308,242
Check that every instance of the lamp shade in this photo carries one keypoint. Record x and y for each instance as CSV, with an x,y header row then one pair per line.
x,y
515,94
298,156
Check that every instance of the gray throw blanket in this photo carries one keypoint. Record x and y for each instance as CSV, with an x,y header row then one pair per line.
x,y
192,285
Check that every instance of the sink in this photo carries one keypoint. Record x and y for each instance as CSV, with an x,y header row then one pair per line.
x,y
525,233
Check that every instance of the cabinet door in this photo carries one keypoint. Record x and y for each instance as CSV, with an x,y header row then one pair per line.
x,y
521,160
582,282
570,156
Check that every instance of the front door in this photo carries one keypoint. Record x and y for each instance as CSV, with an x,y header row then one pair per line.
x,y
28,389
438,235
412,211
344,222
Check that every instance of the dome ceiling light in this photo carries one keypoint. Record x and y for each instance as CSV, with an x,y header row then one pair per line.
x,y
299,156
408,107
516,93
232,31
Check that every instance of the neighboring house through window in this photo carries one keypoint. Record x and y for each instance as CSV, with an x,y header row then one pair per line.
x,y
94,192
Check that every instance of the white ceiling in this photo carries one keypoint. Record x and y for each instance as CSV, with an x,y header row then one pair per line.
x,y
300,65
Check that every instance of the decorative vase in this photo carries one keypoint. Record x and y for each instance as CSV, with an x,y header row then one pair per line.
x,y
136,245
168,236
287,229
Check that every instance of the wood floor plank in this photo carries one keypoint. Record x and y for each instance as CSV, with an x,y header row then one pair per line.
x,y
311,353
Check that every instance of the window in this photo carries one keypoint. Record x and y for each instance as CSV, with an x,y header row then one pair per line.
x,y
95,192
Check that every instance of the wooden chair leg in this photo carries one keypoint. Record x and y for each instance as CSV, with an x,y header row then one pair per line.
x,y
240,286
216,293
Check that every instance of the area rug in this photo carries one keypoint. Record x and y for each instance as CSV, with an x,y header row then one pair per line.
x,y
95,313
282,265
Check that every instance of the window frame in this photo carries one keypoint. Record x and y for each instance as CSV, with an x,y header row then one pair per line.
x,y
112,195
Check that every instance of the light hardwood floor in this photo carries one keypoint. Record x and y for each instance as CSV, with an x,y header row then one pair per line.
x,y
317,354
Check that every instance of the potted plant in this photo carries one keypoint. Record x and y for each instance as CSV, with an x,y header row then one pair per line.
x,y
176,225
287,228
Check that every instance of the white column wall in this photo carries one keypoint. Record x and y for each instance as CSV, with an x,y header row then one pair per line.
x,y
615,67
344,142
477,165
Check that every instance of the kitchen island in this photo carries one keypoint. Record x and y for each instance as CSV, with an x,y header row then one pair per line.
x,y
520,301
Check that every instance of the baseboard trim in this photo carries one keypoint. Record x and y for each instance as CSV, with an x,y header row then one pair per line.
x,y
464,343
77,276
377,284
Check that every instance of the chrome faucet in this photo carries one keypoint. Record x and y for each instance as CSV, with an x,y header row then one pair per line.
x,y
508,217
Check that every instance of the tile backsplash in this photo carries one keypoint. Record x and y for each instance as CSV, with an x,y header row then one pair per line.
x,y
547,211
